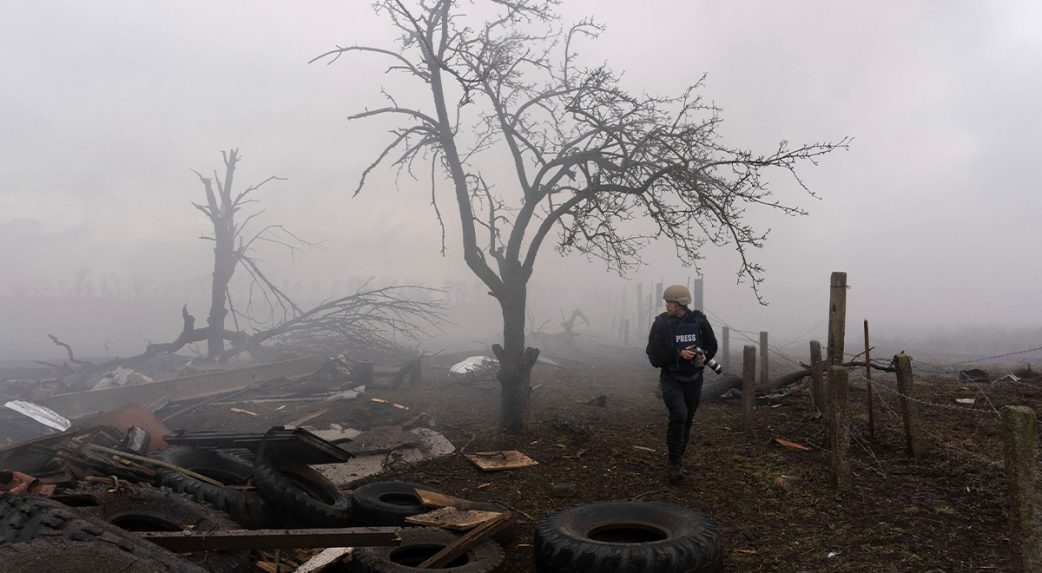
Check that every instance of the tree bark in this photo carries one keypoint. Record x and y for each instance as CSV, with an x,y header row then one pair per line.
x,y
515,362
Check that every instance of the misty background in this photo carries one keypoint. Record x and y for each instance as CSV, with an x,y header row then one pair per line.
x,y
933,212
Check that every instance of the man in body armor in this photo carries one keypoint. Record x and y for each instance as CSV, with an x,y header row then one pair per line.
x,y
680,342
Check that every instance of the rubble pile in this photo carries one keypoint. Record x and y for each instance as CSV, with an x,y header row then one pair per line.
x,y
274,495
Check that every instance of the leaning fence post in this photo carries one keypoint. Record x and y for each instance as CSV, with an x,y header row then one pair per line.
x,y
840,407
748,386
817,378
764,378
909,408
1019,446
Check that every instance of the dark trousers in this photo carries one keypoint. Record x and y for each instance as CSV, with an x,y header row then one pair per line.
x,y
682,399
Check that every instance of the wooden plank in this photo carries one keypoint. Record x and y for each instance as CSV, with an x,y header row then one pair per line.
x,y
434,499
504,460
468,540
236,539
452,518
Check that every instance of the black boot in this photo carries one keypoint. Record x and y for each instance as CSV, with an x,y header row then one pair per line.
x,y
676,470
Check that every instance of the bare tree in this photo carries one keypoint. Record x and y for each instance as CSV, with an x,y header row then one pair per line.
x,y
375,318
232,245
588,156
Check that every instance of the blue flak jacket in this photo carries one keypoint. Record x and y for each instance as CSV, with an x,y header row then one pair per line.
x,y
670,335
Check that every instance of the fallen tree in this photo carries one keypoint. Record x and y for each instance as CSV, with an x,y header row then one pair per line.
x,y
716,387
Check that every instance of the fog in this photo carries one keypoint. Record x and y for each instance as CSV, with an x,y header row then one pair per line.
x,y
932,212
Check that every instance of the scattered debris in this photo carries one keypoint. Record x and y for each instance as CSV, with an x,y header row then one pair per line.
x,y
974,375
792,445
1009,378
452,518
18,482
783,482
120,377
502,460
324,559
43,415
474,364
644,449
969,401
241,411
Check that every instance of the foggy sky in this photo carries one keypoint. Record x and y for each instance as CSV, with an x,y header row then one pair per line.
x,y
933,211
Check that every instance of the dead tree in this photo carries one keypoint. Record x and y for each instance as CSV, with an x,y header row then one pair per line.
x,y
588,156
232,245
370,317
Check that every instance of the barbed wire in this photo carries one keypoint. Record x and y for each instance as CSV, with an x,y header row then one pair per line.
x,y
950,368
877,384
938,439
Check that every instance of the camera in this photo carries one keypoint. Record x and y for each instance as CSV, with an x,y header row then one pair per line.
x,y
712,364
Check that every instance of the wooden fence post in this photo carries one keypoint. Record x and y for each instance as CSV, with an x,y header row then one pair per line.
x,y
725,349
817,376
909,408
1019,445
840,407
748,387
868,375
764,378
837,317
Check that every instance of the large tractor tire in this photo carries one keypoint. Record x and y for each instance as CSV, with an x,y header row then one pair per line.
x,y
635,537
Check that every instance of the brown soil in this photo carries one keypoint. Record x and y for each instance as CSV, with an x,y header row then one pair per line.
x,y
942,512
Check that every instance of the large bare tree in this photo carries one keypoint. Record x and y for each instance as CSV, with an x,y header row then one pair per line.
x,y
589,158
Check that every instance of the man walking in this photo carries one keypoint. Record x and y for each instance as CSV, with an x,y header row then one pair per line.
x,y
680,342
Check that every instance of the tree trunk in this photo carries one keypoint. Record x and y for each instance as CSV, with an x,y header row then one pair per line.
x,y
223,268
515,362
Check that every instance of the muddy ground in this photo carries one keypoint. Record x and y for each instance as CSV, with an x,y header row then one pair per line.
x,y
943,512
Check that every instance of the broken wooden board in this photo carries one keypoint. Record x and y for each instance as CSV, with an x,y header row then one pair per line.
x,y
503,460
452,518
434,499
